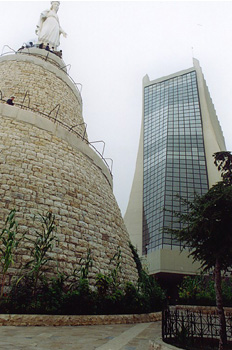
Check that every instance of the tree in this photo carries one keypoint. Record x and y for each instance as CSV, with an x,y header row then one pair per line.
x,y
207,231
223,161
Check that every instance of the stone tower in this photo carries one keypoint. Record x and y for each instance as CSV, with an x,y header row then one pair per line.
x,y
47,164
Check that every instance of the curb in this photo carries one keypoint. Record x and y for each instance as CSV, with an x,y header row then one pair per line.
x,y
76,320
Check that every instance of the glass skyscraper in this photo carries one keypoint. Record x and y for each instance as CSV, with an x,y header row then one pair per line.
x,y
174,161
180,132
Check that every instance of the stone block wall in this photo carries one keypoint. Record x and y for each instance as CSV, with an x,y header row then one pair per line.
x,y
41,172
69,320
44,167
48,89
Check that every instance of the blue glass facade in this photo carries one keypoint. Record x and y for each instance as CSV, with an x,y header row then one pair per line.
x,y
174,155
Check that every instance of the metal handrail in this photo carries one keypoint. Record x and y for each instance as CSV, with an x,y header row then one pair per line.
x,y
58,105
29,102
65,67
78,84
99,142
72,127
9,48
111,163
104,159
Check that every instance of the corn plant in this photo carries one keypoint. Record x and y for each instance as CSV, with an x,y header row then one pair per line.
x,y
117,259
86,265
8,244
42,245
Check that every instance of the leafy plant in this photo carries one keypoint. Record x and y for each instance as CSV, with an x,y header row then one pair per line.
x,y
86,266
117,260
8,244
223,161
108,284
42,245
81,300
197,290
80,271
183,336
48,299
136,259
154,296
103,284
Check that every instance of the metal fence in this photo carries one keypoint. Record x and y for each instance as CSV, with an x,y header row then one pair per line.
x,y
185,327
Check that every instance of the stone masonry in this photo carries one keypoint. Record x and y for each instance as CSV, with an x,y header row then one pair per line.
x,y
42,86
45,167
76,320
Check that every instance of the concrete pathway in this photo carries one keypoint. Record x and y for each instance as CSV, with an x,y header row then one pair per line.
x,y
107,337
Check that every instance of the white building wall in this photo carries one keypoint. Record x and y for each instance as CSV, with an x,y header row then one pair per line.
x,y
213,137
163,260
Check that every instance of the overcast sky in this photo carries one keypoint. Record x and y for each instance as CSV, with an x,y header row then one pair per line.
x,y
112,45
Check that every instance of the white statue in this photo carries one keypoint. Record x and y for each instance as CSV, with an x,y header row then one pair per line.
x,y
48,28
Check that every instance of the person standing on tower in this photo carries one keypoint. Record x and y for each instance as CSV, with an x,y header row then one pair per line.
x,y
48,29
10,101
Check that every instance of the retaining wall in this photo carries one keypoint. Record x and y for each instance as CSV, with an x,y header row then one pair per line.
x,y
85,320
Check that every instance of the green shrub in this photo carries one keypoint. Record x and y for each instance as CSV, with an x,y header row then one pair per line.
x,y
48,298
19,297
103,284
133,301
81,301
199,290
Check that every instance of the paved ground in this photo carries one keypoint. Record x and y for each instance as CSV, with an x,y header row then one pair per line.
x,y
109,337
